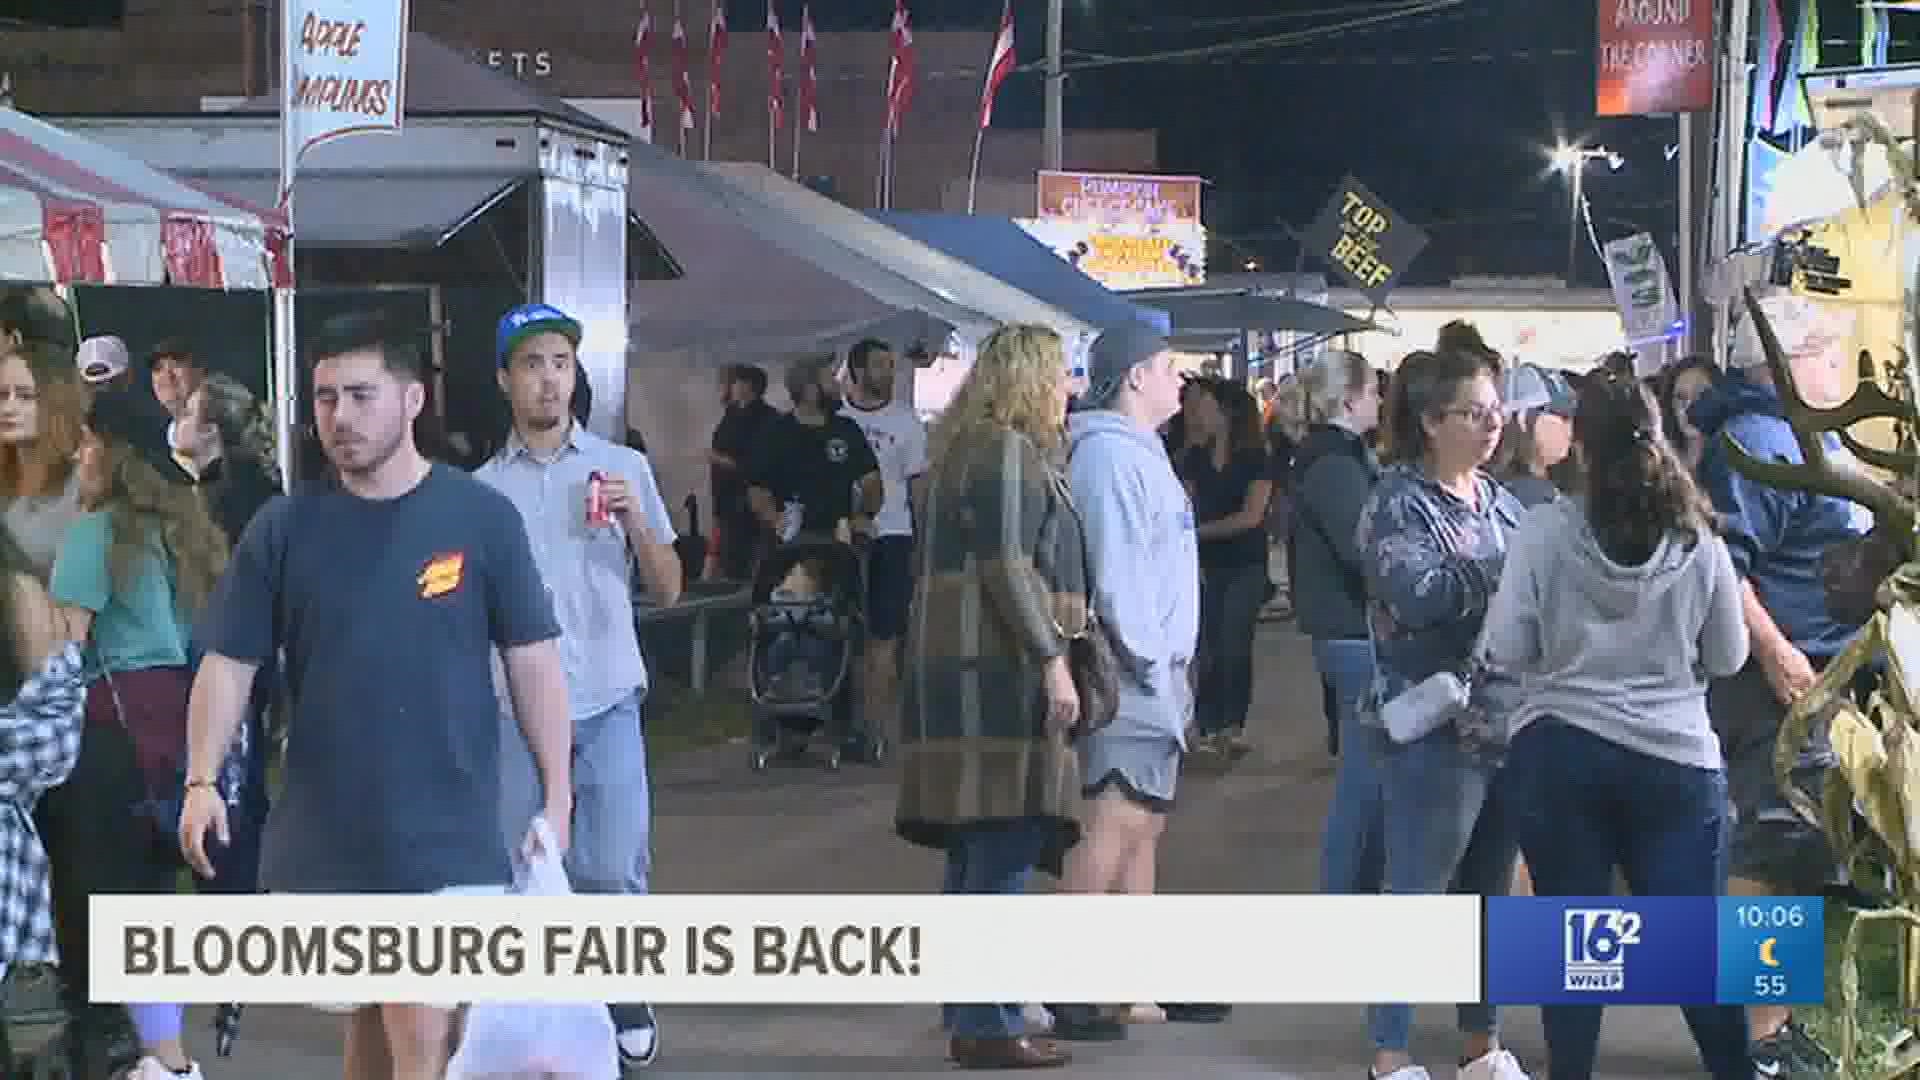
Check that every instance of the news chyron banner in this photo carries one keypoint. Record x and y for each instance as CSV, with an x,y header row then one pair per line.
x,y
1656,950
782,950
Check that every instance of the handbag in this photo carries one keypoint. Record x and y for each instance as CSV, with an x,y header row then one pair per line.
x,y
160,758
1091,658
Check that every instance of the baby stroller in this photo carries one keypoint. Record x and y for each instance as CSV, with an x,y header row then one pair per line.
x,y
805,627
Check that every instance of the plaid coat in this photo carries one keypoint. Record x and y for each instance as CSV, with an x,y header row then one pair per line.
x,y
39,744
999,571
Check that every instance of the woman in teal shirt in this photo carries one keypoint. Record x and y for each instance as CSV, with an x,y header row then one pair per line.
x,y
134,570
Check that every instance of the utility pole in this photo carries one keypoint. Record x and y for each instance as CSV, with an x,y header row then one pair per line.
x,y
1056,84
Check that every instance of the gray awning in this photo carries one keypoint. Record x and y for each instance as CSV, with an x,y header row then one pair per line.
x,y
373,211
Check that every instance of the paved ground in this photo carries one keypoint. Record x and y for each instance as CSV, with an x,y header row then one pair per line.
x,y
721,829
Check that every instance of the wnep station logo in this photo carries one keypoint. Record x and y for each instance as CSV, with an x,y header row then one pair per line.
x,y
1596,942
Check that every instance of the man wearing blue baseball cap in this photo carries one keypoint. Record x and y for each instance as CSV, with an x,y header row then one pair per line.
x,y
593,512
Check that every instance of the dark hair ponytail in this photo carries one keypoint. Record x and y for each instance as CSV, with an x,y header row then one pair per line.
x,y
1638,492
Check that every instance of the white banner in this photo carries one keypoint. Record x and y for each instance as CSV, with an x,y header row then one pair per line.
x,y
1643,293
785,950
343,72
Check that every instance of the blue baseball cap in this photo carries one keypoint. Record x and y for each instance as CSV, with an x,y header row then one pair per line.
x,y
527,320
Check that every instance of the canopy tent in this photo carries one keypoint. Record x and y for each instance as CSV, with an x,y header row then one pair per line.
x,y
1003,249
73,211
757,282
834,225
1201,311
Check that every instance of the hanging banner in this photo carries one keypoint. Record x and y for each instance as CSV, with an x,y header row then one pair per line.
x,y
1655,57
1763,173
343,72
1643,293
1364,240
1121,258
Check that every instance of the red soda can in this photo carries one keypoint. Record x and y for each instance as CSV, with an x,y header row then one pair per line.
x,y
597,514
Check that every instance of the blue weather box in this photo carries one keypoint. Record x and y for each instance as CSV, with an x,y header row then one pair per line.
x,y
1773,950
1654,950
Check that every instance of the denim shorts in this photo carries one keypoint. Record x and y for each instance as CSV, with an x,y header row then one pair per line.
x,y
1772,843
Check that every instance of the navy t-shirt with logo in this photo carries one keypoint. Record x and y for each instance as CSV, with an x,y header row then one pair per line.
x,y
389,611
816,466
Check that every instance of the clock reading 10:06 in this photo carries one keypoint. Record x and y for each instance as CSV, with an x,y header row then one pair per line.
x,y
1771,951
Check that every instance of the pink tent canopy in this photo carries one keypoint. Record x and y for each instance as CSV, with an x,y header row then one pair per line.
x,y
75,212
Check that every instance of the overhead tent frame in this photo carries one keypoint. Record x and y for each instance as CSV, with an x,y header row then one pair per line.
x,y
680,202
1001,248
955,281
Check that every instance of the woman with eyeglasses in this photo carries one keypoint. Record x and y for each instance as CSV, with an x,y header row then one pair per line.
x,y
1433,537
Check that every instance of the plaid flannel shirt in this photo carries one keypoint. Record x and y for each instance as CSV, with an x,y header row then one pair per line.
x,y
39,744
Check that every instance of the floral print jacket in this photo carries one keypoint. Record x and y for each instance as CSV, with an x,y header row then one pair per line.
x,y
1432,561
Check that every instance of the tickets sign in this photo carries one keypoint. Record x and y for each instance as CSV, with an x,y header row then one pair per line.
x,y
344,73
1364,241
1119,198
1122,258
1654,57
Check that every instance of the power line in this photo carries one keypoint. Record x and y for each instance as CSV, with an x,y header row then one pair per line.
x,y
1269,41
1177,24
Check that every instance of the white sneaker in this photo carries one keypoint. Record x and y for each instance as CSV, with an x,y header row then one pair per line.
x,y
1494,1065
152,1068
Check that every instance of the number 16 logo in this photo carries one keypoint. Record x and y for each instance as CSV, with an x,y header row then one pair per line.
x,y
1597,939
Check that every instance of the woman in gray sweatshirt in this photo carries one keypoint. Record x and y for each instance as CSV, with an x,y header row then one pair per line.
x,y
1614,762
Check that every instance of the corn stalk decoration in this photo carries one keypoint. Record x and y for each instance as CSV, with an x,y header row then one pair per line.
x,y
1870,808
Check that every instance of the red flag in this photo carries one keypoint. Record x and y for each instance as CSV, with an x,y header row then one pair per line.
x,y
900,72
809,83
998,67
682,76
776,53
643,71
716,55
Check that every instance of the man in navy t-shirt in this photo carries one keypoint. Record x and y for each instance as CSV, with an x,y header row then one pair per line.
x,y
389,595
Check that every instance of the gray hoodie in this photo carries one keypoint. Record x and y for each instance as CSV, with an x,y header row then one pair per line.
x,y
1144,564
1623,652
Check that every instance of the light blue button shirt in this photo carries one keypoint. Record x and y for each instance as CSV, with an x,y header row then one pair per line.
x,y
588,571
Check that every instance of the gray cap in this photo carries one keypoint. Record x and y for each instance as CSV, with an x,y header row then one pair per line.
x,y
1113,356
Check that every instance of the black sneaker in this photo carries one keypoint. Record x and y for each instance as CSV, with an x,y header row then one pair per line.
x,y
1790,1054
1084,1023
638,1036
1194,1012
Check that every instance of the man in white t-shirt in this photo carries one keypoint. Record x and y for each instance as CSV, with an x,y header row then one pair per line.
x,y
899,440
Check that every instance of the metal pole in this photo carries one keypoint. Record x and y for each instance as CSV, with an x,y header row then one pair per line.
x,y
1729,188
973,173
1056,84
1686,253
1577,169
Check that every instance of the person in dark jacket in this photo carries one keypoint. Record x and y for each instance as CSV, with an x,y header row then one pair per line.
x,y
1333,475
1777,540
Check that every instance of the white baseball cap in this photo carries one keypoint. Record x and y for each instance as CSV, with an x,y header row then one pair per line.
x,y
101,359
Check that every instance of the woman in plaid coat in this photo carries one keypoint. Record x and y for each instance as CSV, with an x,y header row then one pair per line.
x,y
988,774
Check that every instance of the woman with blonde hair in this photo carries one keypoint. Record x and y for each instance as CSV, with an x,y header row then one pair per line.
x,y
988,773
134,570
41,404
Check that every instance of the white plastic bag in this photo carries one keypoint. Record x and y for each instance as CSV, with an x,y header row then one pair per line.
x,y
535,1041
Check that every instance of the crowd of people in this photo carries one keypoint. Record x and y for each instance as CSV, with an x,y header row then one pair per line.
x,y
1100,561
1624,730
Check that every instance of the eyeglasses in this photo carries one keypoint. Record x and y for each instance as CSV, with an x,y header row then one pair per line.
x,y
1477,415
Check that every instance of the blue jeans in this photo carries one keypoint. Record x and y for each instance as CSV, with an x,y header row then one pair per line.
x,y
1582,805
993,859
612,808
1446,832
1352,853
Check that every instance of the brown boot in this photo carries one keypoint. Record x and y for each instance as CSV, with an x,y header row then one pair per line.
x,y
1013,1052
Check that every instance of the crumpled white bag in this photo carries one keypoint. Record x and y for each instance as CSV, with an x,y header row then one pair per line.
x,y
535,1041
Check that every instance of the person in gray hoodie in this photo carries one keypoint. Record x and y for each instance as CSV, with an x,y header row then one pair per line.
x,y
1144,572
1614,761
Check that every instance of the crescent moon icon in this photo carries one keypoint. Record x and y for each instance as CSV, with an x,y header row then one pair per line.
x,y
1766,952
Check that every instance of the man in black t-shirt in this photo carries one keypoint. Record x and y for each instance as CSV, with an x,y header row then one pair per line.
x,y
735,443
814,459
